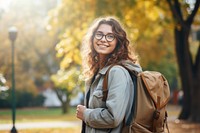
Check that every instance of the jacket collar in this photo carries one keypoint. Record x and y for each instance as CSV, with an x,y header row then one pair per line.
x,y
104,70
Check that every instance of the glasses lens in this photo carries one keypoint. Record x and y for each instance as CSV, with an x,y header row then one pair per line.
x,y
98,36
110,37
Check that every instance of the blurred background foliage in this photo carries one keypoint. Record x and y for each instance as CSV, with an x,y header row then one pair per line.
x,y
50,34
148,24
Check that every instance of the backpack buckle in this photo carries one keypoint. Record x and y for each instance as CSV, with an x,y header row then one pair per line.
x,y
156,114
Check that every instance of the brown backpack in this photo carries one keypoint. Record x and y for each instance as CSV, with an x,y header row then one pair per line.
x,y
151,95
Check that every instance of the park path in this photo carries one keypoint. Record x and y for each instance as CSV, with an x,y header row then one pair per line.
x,y
30,125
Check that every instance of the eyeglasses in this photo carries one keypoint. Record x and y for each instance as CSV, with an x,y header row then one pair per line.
x,y
109,37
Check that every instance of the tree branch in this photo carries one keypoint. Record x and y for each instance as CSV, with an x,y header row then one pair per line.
x,y
190,18
175,8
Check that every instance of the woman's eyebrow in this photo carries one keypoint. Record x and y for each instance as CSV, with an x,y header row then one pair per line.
x,y
106,33
100,31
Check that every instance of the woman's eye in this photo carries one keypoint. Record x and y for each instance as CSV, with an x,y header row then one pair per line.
x,y
110,36
99,35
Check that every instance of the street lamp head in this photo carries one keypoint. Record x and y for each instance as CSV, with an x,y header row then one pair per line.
x,y
12,33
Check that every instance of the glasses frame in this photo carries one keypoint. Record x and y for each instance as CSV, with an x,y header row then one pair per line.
x,y
105,36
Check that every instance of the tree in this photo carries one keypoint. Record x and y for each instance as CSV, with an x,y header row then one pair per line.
x,y
66,83
189,70
35,57
69,31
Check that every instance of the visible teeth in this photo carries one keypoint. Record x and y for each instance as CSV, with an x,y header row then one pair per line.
x,y
102,45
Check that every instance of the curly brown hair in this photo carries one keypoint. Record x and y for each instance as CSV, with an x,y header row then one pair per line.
x,y
121,52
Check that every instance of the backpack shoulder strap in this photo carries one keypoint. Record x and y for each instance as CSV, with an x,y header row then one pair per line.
x,y
105,80
105,84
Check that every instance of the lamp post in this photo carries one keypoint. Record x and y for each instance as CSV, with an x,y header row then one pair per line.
x,y
12,36
198,35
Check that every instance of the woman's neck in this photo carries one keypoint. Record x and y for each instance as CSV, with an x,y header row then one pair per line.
x,y
102,61
101,64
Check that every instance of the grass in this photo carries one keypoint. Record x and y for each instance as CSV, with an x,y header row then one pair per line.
x,y
40,115
37,114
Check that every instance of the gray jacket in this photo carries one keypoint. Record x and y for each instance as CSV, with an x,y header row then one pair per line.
x,y
108,117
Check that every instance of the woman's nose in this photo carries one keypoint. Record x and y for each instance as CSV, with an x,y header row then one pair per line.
x,y
103,39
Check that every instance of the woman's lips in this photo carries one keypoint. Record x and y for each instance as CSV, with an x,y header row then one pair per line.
x,y
103,45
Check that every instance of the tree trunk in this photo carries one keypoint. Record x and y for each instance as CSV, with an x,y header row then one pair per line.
x,y
182,53
63,96
67,105
195,100
64,107
189,71
189,76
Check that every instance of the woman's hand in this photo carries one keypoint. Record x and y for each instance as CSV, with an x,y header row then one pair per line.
x,y
79,111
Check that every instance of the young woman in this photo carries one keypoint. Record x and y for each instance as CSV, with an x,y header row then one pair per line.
x,y
105,44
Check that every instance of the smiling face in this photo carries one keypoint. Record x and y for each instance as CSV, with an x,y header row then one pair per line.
x,y
105,41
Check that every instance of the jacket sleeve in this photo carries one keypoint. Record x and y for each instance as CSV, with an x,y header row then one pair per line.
x,y
116,103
